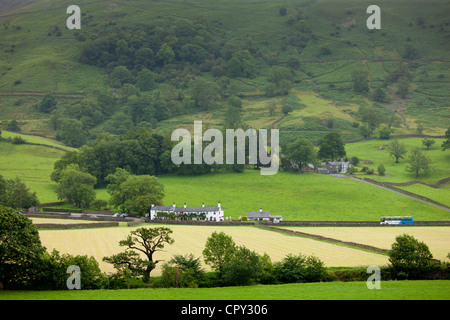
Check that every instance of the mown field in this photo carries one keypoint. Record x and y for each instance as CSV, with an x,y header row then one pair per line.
x,y
101,242
390,290
436,238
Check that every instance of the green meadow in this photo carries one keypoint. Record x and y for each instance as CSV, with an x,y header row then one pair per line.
x,y
295,196
390,290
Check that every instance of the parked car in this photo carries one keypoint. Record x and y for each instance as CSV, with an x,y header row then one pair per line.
x,y
123,215
116,214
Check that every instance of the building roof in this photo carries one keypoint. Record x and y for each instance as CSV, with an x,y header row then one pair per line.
x,y
196,209
259,214
183,209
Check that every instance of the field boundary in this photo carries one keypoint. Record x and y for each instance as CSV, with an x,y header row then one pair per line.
x,y
409,194
327,239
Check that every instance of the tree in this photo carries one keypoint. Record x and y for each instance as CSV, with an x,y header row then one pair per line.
x,y
48,103
446,144
219,249
134,193
385,133
242,268
428,143
299,153
371,116
331,146
285,109
13,126
291,269
20,247
71,132
145,80
381,170
144,240
409,256
76,186
205,93
397,150
119,76
360,81
379,95
418,162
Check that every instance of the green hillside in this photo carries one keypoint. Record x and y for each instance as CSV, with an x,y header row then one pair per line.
x,y
305,67
235,47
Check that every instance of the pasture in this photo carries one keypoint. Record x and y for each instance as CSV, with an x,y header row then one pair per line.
x,y
296,197
369,152
390,290
191,239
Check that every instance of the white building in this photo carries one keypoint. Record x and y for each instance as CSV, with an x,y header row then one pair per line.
x,y
187,213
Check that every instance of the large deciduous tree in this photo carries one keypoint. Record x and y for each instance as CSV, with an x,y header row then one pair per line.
x,y
331,146
20,247
299,153
146,241
397,150
76,186
134,193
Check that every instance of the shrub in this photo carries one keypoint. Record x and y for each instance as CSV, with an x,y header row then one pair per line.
x,y
381,170
291,269
370,171
410,258
354,161
242,269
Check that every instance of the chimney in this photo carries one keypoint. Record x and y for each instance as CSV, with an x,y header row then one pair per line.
x,y
218,204
185,204
203,205
153,205
174,205
260,209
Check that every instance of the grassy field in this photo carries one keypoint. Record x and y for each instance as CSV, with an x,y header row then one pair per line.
x,y
436,238
296,197
390,290
396,172
191,239
33,165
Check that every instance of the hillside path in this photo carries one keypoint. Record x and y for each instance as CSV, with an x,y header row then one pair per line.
x,y
405,195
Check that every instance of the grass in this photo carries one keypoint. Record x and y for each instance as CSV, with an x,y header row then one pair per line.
x,y
296,197
33,165
396,172
390,290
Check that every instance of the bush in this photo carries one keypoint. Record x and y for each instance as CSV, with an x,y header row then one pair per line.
x,y
381,170
410,258
242,269
370,171
354,161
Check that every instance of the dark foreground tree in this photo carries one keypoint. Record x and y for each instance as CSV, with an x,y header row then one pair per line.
x,y
142,240
20,247
409,257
